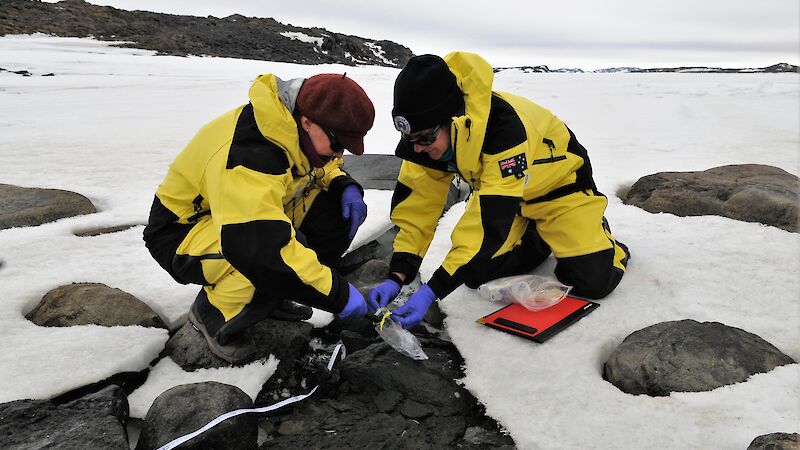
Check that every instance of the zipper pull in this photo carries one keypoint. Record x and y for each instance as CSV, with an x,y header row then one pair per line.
x,y
468,123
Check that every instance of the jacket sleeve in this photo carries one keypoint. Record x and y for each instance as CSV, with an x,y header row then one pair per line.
x,y
258,239
487,220
417,204
335,179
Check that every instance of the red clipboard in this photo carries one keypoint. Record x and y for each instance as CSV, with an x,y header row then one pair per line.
x,y
538,326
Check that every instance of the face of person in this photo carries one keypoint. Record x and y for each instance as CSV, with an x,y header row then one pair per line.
x,y
436,149
325,143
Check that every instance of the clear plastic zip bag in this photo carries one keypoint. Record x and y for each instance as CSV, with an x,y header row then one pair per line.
x,y
397,337
534,292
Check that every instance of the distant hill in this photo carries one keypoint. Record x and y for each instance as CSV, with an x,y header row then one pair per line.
x,y
233,36
776,68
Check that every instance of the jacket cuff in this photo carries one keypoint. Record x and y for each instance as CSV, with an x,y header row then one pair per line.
x,y
442,284
342,181
405,263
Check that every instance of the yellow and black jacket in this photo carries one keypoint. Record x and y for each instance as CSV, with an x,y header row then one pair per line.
x,y
245,170
510,151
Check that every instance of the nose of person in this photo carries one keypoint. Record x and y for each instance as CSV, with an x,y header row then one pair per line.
x,y
419,148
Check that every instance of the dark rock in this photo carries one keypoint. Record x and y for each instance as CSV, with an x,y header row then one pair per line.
x,y
386,401
369,275
235,36
288,341
374,171
354,342
92,303
446,430
379,368
415,410
94,421
747,192
186,408
105,230
24,207
435,316
688,356
484,438
776,441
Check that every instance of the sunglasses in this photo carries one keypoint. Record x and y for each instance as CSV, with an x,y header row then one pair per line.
x,y
336,146
425,139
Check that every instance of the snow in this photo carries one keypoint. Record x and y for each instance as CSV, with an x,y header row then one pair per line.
x,y
302,37
111,120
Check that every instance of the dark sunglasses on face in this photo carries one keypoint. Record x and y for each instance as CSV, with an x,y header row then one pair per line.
x,y
425,139
336,146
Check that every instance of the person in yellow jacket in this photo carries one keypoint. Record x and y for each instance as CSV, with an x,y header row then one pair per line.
x,y
532,191
258,210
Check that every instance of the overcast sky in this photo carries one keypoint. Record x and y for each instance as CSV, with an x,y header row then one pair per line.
x,y
561,33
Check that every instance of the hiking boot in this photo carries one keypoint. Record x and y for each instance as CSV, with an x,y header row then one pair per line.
x,y
238,349
290,311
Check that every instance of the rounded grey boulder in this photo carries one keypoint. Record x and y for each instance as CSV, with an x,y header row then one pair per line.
x,y
25,207
688,356
92,303
188,407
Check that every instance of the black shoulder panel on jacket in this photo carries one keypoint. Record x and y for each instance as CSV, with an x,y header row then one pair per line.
x,y
401,192
252,150
504,129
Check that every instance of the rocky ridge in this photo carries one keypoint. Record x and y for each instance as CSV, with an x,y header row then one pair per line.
x,y
234,36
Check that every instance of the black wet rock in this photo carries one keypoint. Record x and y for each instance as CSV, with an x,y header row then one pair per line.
x,y
746,192
288,341
688,356
386,401
25,207
776,441
94,421
92,303
415,410
379,367
188,407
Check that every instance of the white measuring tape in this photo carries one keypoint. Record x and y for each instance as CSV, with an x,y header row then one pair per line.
x,y
176,442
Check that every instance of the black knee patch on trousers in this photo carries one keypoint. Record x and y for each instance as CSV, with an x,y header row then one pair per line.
x,y
593,276
257,310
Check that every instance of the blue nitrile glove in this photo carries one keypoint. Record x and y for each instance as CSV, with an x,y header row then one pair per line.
x,y
414,309
382,294
354,210
356,306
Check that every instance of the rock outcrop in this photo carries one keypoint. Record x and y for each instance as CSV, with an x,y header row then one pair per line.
x,y
234,36
92,303
26,207
747,192
688,356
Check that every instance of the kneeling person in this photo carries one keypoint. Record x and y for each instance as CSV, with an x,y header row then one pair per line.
x,y
532,191
258,210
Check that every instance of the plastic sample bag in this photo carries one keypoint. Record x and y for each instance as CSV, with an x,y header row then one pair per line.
x,y
534,292
398,338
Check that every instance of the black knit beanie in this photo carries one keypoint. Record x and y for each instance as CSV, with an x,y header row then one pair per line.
x,y
425,95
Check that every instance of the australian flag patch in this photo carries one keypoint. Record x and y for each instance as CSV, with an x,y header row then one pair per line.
x,y
515,165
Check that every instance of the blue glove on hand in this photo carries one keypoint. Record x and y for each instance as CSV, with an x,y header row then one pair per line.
x,y
356,306
354,210
413,311
382,294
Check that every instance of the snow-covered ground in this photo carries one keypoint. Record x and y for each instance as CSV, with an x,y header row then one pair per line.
x,y
111,120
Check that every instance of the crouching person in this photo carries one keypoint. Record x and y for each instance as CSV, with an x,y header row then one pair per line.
x,y
531,181
258,210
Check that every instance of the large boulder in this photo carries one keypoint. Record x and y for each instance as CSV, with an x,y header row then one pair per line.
x,y
776,441
747,192
188,407
92,303
25,207
688,356
374,171
94,421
